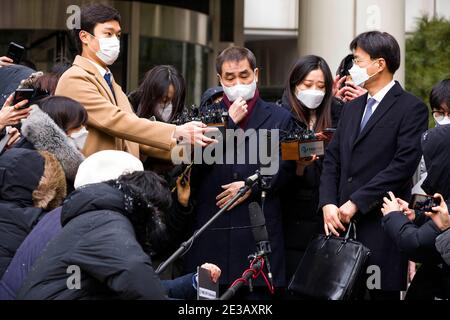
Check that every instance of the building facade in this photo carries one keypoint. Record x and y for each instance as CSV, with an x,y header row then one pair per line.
x,y
189,34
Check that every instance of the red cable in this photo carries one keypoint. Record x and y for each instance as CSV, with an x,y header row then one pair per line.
x,y
255,275
238,280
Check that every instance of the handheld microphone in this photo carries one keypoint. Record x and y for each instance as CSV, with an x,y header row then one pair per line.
x,y
259,230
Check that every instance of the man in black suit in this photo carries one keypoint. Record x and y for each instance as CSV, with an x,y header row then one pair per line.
x,y
229,241
375,149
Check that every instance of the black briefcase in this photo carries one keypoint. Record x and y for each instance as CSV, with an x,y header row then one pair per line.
x,y
331,267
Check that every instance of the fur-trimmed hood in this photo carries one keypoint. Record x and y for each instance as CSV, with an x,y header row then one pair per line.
x,y
30,178
45,135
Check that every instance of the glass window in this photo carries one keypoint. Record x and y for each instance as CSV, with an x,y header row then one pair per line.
x,y
189,59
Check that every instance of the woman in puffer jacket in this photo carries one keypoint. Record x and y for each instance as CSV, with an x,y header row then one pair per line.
x,y
57,125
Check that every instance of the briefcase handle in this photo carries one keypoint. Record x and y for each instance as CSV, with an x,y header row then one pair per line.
x,y
351,226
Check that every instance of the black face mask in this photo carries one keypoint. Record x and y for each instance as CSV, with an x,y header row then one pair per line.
x,y
436,153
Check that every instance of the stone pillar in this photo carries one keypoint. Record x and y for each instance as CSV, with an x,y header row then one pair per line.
x,y
326,27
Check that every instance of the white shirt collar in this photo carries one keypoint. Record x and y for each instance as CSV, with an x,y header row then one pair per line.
x,y
102,70
380,94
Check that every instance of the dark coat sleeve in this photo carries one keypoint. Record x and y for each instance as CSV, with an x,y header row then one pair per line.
x,y
443,246
181,287
287,168
178,220
402,166
417,243
329,181
112,255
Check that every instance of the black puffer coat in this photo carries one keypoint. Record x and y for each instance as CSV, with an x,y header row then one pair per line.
x,y
99,239
20,173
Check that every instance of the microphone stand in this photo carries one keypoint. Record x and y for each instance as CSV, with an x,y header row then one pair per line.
x,y
264,249
246,276
185,246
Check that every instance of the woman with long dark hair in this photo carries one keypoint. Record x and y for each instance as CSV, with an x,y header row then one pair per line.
x,y
308,96
309,92
161,94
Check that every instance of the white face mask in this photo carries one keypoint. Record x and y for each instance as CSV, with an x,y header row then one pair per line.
x,y
442,122
311,98
359,75
245,91
165,111
109,50
79,138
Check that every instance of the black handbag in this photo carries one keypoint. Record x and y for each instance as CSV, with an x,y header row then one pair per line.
x,y
331,267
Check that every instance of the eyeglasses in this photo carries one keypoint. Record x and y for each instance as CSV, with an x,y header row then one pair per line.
x,y
440,115
358,61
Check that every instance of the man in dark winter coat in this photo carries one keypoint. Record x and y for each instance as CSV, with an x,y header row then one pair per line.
x,y
31,183
375,149
229,241
109,229
416,238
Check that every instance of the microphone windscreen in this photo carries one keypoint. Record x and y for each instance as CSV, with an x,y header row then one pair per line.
x,y
258,222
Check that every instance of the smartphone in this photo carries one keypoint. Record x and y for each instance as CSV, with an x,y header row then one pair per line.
x,y
351,84
23,94
15,52
424,202
329,132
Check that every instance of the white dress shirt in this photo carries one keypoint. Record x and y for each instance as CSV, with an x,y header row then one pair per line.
x,y
379,96
102,70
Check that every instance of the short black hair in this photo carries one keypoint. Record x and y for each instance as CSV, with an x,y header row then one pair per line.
x,y
440,94
65,112
91,16
235,54
379,45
